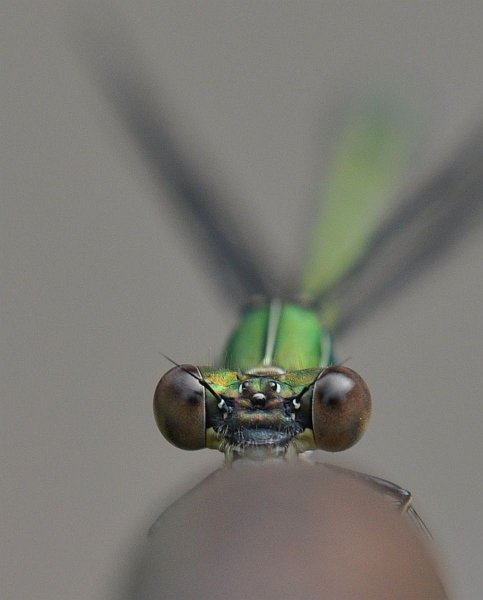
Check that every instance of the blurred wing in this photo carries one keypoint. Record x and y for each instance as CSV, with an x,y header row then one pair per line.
x,y
366,165
227,241
428,222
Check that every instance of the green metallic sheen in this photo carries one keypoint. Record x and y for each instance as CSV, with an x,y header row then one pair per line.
x,y
301,342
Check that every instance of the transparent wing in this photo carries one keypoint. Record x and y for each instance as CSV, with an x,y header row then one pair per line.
x,y
424,225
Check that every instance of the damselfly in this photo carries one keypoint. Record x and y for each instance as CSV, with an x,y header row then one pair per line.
x,y
278,389
255,406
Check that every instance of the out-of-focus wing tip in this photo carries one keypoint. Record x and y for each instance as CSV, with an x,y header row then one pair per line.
x,y
237,267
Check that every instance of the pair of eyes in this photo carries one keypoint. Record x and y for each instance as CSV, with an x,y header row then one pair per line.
x,y
273,386
335,408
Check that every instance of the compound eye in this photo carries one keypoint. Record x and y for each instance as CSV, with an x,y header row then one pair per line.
x,y
179,408
274,386
341,406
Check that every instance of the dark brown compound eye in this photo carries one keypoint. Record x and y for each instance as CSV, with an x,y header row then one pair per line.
x,y
341,406
179,408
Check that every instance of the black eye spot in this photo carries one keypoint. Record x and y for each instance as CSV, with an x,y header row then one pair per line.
x,y
334,389
243,386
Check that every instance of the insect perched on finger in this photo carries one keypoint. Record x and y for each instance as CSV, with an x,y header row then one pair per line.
x,y
278,390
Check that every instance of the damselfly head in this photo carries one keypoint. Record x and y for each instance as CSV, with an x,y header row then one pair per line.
x,y
201,407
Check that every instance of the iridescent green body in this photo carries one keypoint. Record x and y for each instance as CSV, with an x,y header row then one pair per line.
x,y
278,334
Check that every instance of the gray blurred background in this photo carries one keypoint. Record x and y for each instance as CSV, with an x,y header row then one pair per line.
x,y
97,278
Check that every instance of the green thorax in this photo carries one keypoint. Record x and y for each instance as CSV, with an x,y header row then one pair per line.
x,y
278,334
